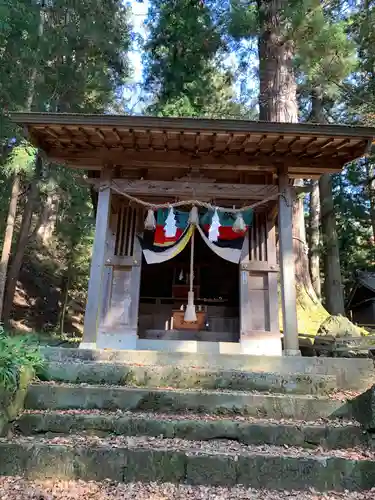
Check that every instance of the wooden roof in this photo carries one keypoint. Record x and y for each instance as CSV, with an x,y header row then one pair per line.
x,y
363,279
91,141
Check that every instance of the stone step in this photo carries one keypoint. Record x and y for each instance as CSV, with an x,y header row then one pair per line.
x,y
349,373
111,490
227,463
247,430
187,378
53,396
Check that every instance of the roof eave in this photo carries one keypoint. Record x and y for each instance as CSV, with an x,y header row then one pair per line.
x,y
202,124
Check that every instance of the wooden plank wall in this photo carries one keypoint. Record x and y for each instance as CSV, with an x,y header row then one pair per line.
x,y
120,299
258,280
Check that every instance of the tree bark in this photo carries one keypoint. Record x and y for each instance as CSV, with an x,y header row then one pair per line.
x,y
23,238
278,103
48,217
314,239
8,237
300,247
333,291
316,116
370,172
277,84
65,293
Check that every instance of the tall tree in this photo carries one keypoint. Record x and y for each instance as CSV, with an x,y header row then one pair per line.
x,y
322,71
76,65
183,64
286,32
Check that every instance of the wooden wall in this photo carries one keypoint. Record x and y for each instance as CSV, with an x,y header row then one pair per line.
x,y
258,281
121,283
120,297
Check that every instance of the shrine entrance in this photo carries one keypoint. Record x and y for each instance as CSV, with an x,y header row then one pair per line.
x,y
164,296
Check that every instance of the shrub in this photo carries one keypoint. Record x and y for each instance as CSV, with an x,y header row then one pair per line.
x,y
17,353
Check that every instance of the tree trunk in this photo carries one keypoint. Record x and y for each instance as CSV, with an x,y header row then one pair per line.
x,y
316,116
23,238
333,290
300,247
370,171
314,239
8,237
277,84
65,293
12,276
278,103
47,221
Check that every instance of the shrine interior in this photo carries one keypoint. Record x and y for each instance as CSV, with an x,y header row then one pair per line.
x,y
164,292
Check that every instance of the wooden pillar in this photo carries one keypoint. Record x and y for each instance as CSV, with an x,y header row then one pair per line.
x,y
259,326
288,285
97,264
118,327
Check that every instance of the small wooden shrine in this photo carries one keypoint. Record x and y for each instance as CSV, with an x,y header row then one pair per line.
x,y
188,215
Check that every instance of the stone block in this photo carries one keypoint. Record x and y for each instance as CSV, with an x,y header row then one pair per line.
x,y
211,470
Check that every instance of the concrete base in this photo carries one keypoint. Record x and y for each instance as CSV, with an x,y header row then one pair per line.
x,y
128,340
184,335
117,340
258,346
192,346
292,352
87,345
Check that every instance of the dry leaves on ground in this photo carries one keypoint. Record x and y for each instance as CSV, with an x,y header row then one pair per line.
x,y
17,488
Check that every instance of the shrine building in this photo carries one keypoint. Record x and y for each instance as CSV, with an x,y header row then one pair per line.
x,y
190,214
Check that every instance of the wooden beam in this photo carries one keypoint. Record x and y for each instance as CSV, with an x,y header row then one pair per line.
x,y
157,159
206,190
97,265
288,286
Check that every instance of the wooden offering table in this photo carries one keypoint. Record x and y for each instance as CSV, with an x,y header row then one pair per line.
x,y
178,322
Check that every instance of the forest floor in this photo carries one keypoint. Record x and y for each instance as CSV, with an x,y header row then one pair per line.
x,y
37,302
16,488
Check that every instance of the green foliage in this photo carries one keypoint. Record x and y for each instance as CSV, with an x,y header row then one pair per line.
x,y
352,206
17,353
61,56
183,67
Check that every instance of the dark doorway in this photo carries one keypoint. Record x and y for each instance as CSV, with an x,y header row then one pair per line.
x,y
164,290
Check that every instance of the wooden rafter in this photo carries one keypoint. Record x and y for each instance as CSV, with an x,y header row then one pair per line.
x,y
213,143
165,140
134,140
343,143
228,143
275,143
87,136
197,142
51,132
116,134
327,142
293,141
150,141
